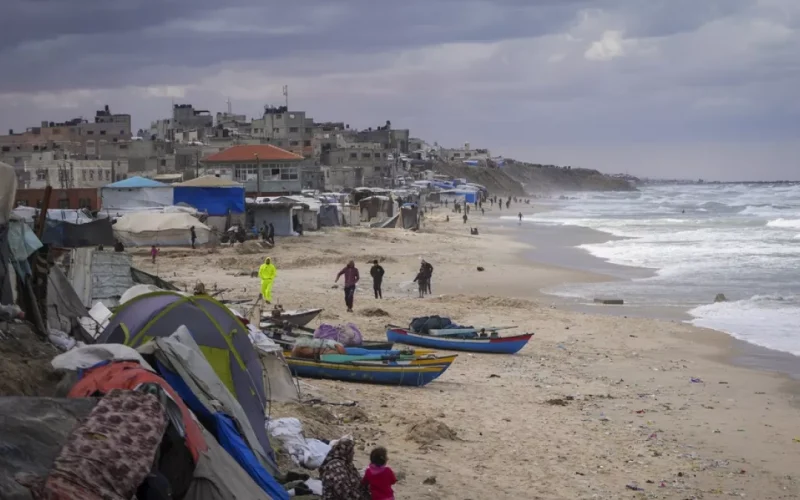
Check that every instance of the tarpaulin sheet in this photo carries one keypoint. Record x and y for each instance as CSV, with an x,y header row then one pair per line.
x,y
67,235
142,197
213,200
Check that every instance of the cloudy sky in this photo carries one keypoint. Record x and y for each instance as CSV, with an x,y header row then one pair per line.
x,y
670,88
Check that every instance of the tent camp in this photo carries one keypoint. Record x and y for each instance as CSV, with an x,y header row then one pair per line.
x,y
136,192
165,229
221,337
8,189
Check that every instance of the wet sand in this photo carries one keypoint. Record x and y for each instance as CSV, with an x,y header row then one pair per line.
x,y
595,404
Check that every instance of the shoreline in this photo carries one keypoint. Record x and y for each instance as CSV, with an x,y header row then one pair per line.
x,y
571,258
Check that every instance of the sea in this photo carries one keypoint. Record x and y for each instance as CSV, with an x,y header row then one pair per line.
x,y
690,243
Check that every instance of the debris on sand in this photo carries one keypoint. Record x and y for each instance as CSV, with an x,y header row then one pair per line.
x,y
250,247
354,414
374,312
430,430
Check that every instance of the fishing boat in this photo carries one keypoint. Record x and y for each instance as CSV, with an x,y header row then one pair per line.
x,y
368,360
298,317
287,342
495,345
409,376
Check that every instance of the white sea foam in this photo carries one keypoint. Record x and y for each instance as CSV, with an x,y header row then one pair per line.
x,y
762,320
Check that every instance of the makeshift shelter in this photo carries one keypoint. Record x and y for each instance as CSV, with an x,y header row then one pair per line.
x,y
99,275
179,360
135,193
375,207
8,189
160,229
220,198
409,217
64,307
277,213
221,337
329,216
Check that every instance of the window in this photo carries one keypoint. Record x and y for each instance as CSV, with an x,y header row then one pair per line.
x,y
56,131
114,139
84,203
121,132
63,203
22,203
366,155
242,173
91,174
123,146
278,117
163,162
306,143
279,143
41,174
90,132
6,149
293,130
108,175
288,174
354,155
274,172
102,132
294,143
457,155
84,175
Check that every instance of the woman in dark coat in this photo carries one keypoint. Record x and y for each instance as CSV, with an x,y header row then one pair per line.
x,y
340,479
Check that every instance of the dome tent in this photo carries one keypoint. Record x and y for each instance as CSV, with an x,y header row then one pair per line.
x,y
221,337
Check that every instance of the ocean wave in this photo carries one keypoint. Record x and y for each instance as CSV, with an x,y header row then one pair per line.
x,y
785,223
765,320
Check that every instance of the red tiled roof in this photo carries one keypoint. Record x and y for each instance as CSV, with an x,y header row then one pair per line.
x,y
247,153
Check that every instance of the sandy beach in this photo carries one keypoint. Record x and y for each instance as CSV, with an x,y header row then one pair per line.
x,y
596,406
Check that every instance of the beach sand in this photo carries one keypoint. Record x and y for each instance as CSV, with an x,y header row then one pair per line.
x,y
595,404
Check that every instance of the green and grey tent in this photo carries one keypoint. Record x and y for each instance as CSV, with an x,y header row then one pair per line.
x,y
221,337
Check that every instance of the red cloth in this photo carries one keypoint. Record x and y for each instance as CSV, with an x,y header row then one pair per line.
x,y
128,375
351,276
380,481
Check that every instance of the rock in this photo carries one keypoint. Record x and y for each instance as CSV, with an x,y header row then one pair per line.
x,y
429,480
480,269
720,298
609,302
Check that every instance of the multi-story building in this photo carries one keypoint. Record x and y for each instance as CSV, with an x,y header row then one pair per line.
x,y
462,154
264,169
184,118
77,137
393,139
52,169
71,198
289,130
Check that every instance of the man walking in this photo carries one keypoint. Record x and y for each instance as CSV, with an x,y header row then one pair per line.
x,y
194,235
351,277
377,278
427,270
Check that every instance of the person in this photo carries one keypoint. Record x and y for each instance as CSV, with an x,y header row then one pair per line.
x,y
422,284
520,217
377,273
271,234
447,219
378,476
351,277
118,246
153,253
465,218
194,236
483,212
267,273
340,479
427,268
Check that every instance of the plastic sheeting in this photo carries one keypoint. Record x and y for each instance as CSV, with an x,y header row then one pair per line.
x,y
29,214
215,201
308,453
141,197
347,335
68,235
145,229
85,357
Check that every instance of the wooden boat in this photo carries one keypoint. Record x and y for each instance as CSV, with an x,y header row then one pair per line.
x,y
299,317
496,345
287,343
389,360
409,376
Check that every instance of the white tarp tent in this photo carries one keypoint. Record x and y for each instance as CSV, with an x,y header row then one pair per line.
x,y
170,229
136,192
29,214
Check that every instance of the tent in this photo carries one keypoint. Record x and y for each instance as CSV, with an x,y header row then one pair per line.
x,y
166,229
210,194
221,337
329,216
136,192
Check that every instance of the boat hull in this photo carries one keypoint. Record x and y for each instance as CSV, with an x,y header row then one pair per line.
x,y
497,345
296,318
408,376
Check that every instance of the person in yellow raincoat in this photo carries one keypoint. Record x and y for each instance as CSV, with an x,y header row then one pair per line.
x,y
267,273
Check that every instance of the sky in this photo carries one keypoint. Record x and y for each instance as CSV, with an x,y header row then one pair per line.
x,y
659,88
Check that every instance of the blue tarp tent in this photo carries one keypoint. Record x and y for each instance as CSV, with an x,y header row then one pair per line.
x,y
210,194
136,182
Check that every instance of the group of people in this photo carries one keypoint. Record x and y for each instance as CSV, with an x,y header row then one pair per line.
x,y
342,481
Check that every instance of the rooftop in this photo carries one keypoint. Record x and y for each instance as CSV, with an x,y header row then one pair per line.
x,y
248,152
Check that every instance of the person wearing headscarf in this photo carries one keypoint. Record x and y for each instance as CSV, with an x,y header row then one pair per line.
x,y
267,273
340,479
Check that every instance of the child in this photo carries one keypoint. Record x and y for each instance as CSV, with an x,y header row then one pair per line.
x,y
378,476
153,253
421,280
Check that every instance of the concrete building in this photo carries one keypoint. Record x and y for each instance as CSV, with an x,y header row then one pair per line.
x,y
184,118
73,198
264,169
49,170
462,154
341,178
392,139
289,130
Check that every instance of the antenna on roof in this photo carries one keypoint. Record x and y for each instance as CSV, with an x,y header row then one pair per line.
x,y
286,95
230,107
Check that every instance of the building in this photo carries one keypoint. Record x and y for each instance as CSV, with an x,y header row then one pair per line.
x,y
184,118
289,130
62,171
262,168
341,178
76,137
389,138
72,198
463,154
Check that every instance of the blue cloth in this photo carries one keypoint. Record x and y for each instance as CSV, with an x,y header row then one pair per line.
x,y
227,434
216,201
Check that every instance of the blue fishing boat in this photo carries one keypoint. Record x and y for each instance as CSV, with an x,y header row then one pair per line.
x,y
494,345
409,376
